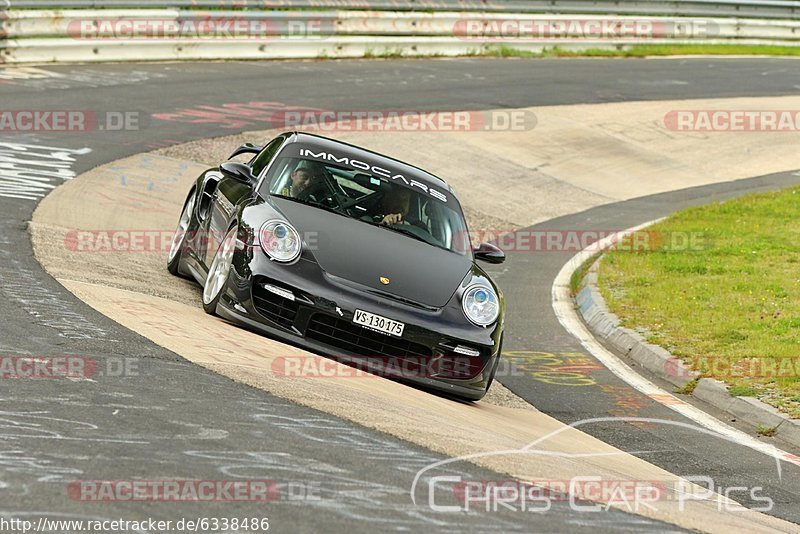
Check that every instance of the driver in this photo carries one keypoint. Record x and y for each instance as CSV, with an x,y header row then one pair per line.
x,y
394,205
306,184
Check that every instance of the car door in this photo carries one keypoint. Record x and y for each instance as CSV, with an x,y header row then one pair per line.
x,y
227,196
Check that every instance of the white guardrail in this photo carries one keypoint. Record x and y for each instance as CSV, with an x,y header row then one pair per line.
x,y
389,28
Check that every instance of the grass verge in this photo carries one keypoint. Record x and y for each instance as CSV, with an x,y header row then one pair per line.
x,y
719,286
645,50
579,274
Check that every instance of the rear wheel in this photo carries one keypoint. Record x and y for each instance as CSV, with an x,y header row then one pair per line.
x,y
218,272
179,239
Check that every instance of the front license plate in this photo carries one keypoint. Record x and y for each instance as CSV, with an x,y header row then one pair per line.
x,y
376,322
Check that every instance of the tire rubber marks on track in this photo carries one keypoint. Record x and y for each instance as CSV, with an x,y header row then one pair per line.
x,y
23,463
40,301
29,172
41,425
43,80
339,490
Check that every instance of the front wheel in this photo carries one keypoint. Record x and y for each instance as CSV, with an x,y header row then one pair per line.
x,y
494,367
491,377
179,239
218,272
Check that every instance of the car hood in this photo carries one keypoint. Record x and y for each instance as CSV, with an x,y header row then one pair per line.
x,y
362,253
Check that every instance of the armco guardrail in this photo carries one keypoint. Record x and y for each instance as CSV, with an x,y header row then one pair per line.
x,y
86,35
720,8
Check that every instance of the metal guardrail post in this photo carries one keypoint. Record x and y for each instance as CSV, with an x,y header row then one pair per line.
x,y
83,35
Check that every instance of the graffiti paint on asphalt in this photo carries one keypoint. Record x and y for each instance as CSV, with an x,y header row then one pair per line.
x,y
561,369
29,172
38,79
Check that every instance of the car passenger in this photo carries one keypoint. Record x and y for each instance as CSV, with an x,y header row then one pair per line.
x,y
394,205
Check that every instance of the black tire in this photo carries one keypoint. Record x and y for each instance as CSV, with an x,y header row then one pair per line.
x,y
491,377
494,369
218,272
176,249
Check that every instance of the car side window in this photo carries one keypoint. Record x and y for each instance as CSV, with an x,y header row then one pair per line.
x,y
261,161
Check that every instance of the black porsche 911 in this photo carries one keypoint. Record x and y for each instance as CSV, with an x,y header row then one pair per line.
x,y
348,253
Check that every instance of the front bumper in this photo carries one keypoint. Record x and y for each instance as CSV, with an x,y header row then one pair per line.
x,y
315,311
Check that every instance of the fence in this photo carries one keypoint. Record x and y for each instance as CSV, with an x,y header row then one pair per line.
x,y
165,30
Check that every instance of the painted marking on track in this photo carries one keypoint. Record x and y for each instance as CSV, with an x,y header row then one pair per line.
x,y
568,317
561,369
666,399
26,73
39,79
29,172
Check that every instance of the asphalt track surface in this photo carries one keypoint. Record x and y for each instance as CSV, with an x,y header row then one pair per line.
x,y
175,420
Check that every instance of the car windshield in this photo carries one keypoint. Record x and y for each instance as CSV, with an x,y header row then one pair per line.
x,y
377,200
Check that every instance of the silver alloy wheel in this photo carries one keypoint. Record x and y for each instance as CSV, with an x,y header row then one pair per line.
x,y
183,225
220,267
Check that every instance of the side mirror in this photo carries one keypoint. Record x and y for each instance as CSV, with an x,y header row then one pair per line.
x,y
489,253
239,172
247,148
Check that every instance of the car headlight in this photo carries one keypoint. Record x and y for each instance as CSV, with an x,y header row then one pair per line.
x,y
481,305
280,241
